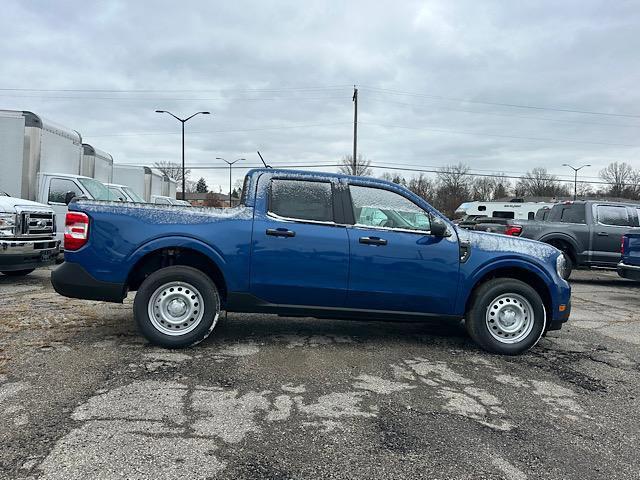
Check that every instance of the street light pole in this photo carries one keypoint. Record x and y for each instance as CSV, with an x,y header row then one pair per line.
x,y
183,121
230,165
575,177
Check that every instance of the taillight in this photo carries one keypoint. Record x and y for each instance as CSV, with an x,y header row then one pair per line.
x,y
513,230
76,230
622,245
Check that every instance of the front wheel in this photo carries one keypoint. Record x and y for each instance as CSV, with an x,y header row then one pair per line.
x,y
18,273
176,307
507,316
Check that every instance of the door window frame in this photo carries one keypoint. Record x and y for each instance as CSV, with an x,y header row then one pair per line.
x,y
348,207
336,205
62,204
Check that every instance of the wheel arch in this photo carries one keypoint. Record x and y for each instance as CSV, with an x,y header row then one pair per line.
x,y
187,252
559,240
527,275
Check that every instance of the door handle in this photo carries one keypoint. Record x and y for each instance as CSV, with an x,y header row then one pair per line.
x,y
603,234
280,232
373,241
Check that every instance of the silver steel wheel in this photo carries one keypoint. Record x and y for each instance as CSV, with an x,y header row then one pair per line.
x,y
176,308
510,318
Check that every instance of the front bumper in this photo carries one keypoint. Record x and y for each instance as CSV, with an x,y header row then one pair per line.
x,y
632,272
27,254
72,280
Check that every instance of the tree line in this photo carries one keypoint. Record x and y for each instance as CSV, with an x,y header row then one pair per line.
x,y
452,185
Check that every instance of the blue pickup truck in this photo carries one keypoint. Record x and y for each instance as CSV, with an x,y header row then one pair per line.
x,y
316,245
629,266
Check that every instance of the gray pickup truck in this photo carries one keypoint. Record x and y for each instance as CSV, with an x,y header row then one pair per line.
x,y
589,232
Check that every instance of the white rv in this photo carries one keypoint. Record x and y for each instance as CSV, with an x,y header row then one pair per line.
x,y
508,210
41,161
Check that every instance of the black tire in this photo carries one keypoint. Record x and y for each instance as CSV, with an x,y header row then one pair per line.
x,y
478,317
18,273
569,265
204,290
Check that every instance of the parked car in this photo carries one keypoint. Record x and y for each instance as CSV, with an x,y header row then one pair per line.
x,y
629,266
311,244
588,232
27,236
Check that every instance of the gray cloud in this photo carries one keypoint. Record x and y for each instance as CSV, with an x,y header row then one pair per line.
x,y
246,63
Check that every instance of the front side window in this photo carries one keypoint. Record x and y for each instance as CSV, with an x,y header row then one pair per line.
x,y
375,207
301,200
116,195
59,187
612,215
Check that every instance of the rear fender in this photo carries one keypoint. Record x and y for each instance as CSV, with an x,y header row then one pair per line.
x,y
176,241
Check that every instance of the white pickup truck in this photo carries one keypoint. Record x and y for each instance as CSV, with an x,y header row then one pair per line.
x,y
27,236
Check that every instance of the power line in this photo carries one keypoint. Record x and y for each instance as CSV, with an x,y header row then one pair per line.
x,y
499,114
516,137
199,90
173,99
499,104
284,127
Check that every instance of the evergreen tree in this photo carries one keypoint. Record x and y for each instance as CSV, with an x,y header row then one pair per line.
x,y
201,186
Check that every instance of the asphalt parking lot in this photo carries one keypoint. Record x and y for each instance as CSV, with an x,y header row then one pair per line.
x,y
82,396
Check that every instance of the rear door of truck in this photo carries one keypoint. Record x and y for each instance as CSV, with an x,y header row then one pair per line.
x,y
300,249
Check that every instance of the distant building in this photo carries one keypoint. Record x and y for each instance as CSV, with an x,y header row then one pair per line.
x,y
209,199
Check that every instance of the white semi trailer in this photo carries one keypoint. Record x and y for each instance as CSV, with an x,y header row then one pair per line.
x,y
96,164
41,161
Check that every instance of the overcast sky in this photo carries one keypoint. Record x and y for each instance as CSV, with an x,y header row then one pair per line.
x,y
278,77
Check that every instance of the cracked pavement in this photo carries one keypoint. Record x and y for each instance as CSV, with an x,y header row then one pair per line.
x,y
82,395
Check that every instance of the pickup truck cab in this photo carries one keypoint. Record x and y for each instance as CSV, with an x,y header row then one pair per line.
x,y
629,266
311,244
27,236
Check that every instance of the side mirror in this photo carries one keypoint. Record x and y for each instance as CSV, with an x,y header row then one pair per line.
x,y
438,227
68,197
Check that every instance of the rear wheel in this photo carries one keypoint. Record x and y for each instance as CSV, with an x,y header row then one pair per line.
x,y
506,316
18,273
176,307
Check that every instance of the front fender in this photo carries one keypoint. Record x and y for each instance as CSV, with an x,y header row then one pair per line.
x,y
470,281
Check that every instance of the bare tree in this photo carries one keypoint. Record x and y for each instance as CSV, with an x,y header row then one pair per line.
x,y
539,183
173,170
423,186
361,167
503,186
394,177
453,188
483,188
622,179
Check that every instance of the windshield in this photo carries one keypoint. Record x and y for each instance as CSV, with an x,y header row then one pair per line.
x,y
133,195
96,189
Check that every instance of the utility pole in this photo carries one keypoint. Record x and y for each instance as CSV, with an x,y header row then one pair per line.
x,y
575,177
183,121
355,130
230,165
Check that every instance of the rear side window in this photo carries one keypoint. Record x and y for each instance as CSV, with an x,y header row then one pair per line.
x,y
302,200
500,214
573,214
612,215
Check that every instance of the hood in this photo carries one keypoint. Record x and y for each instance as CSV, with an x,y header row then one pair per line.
x,y
495,242
8,204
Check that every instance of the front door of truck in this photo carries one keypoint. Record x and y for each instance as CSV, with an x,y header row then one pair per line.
x,y
300,254
396,264
610,223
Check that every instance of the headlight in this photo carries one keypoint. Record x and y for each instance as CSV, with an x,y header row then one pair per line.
x,y
7,224
561,266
